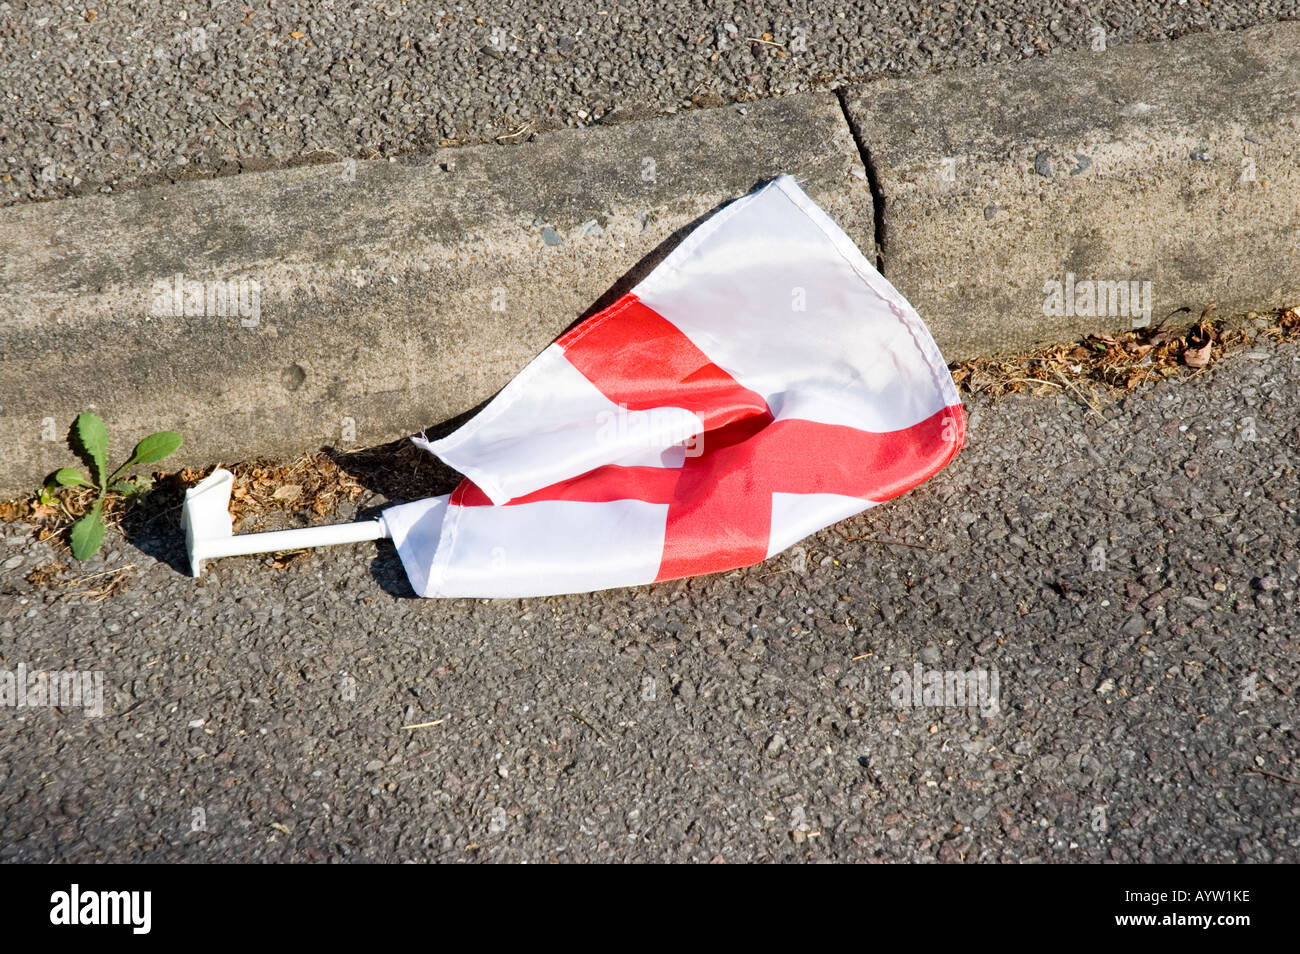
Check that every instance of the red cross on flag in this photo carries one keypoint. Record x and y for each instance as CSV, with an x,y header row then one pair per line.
x,y
763,382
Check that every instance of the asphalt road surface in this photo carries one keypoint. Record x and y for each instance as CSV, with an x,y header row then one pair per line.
x,y
1123,579
99,96
1127,574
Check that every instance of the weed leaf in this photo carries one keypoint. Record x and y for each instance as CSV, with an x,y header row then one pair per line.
x,y
154,448
87,534
89,440
68,477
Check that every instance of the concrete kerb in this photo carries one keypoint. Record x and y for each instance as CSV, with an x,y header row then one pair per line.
x,y
1042,201
351,304
345,305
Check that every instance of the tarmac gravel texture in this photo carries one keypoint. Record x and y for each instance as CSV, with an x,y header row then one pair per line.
x,y
1129,573
101,96
1130,576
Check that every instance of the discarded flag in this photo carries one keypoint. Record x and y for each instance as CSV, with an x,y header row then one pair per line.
x,y
763,382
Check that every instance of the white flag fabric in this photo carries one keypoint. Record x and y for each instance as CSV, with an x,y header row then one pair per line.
x,y
763,382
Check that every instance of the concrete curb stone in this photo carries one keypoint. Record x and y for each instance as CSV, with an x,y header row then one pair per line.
x,y
372,299
367,300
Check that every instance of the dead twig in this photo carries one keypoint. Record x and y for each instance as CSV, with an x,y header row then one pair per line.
x,y
525,128
1082,397
579,716
423,725
1273,775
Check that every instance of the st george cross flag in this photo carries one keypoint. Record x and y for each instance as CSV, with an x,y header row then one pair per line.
x,y
763,382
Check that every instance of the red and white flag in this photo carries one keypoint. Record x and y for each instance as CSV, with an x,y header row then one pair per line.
x,y
763,382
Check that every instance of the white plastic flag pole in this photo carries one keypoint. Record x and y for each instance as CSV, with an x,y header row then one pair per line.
x,y
209,534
